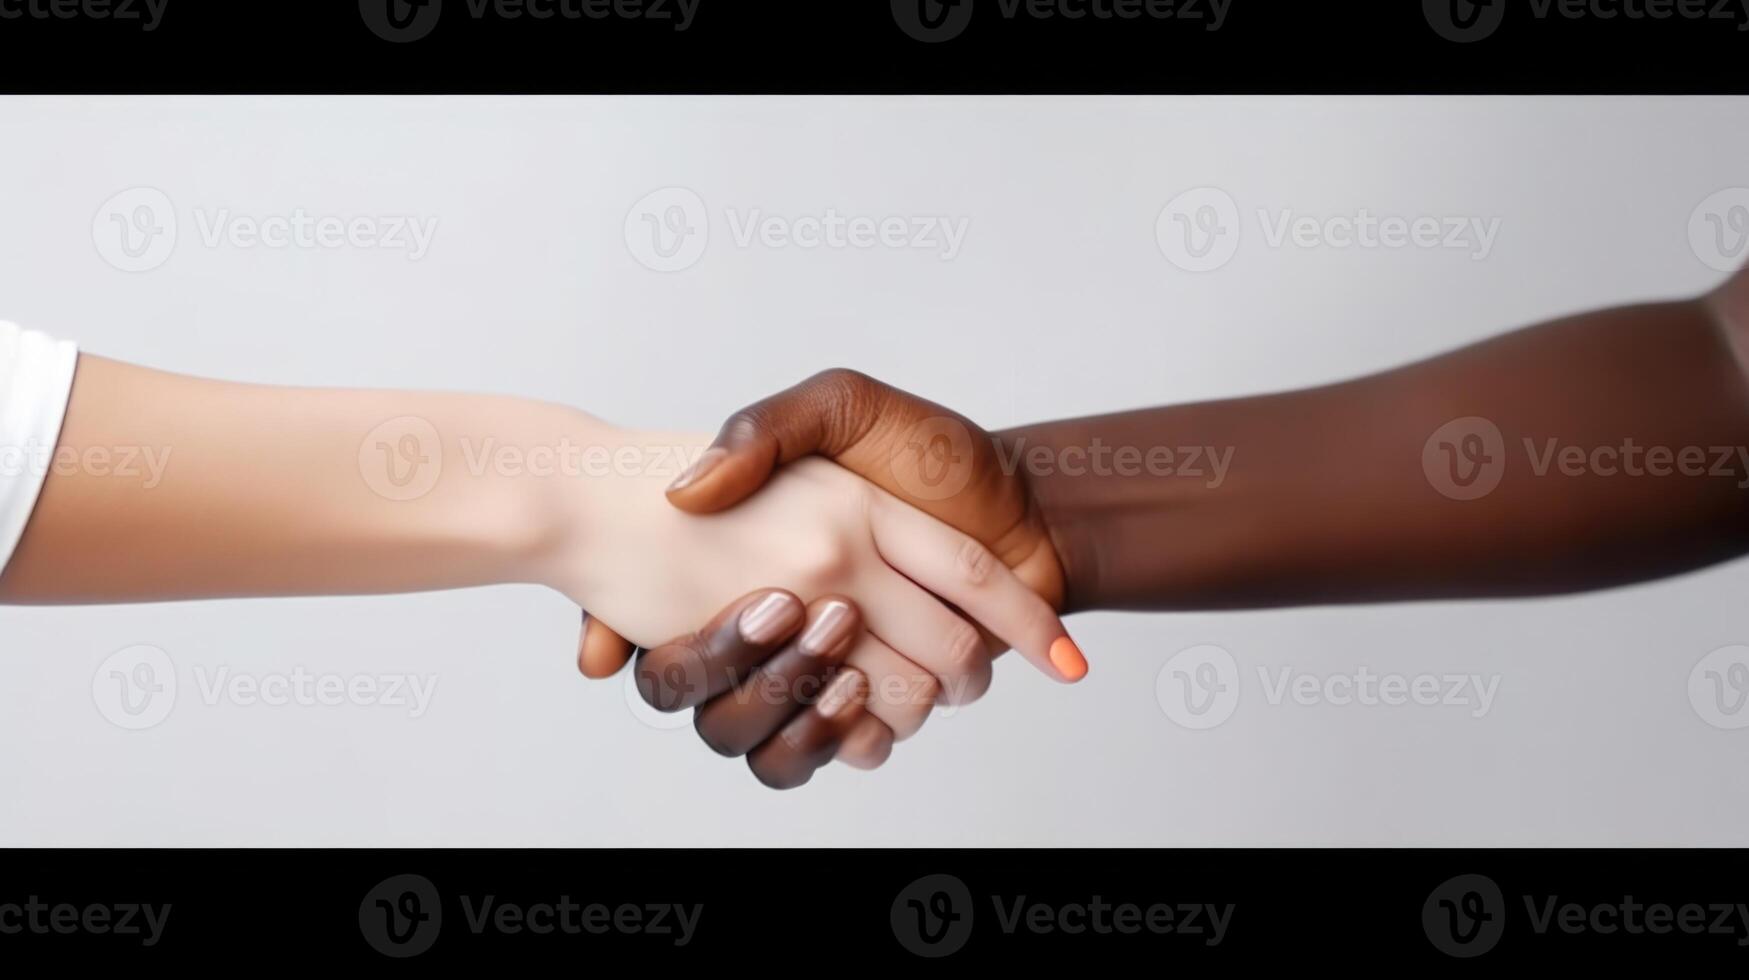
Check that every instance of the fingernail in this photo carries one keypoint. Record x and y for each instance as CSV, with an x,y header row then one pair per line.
x,y
769,618
1067,658
844,689
706,462
827,630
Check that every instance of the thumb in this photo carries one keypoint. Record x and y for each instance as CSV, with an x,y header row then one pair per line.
x,y
601,652
825,415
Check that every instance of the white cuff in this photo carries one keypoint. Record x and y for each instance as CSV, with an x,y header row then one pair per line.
x,y
36,379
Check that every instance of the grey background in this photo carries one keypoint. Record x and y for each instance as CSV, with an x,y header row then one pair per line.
x,y
1061,302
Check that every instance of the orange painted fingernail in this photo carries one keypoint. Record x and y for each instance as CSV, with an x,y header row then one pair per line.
x,y
1067,658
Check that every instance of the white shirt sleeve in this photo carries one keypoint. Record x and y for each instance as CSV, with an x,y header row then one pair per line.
x,y
36,379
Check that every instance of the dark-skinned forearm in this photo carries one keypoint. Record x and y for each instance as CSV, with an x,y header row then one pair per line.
x,y
1326,498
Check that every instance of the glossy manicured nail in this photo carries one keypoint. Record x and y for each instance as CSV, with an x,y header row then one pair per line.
x,y
1067,658
769,618
704,464
827,630
844,690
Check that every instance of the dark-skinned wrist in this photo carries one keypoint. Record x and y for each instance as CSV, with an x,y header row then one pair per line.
x,y
1140,518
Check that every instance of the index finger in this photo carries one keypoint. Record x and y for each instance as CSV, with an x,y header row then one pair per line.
x,y
958,568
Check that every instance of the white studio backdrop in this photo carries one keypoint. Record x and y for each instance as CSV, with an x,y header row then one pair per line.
x,y
661,261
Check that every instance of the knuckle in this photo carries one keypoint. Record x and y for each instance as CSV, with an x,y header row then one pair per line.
x,y
845,401
906,714
776,776
674,677
710,736
974,562
908,722
968,689
655,679
869,745
859,501
796,739
831,560
840,380
1038,618
965,650
743,424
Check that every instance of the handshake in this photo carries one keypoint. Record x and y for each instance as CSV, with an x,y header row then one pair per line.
x,y
902,551
919,546
857,555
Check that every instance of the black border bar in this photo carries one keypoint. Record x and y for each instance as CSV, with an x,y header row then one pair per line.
x,y
840,909
873,46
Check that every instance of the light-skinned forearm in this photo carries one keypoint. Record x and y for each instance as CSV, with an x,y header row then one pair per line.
x,y
171,487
